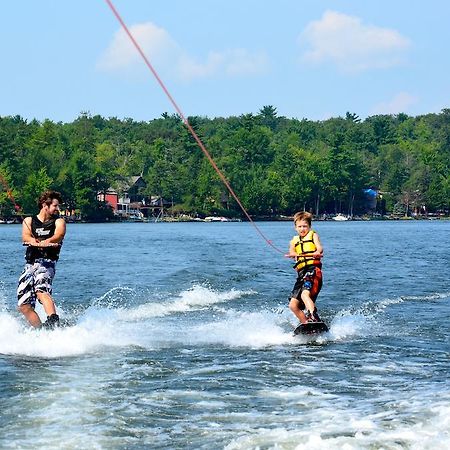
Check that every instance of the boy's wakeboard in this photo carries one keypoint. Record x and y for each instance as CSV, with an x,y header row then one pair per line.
x,y
311,328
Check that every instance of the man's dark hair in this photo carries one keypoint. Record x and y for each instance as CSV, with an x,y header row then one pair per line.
x,y
47,198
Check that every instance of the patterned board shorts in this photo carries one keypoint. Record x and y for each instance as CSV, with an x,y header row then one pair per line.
x,y
36,277
309,279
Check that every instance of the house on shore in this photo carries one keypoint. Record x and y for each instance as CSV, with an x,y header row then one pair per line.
x,y
129,201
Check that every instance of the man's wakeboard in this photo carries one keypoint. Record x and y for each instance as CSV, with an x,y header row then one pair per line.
x,y
54,325
311,328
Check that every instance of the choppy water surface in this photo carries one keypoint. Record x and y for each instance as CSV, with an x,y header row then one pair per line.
x,y
182,338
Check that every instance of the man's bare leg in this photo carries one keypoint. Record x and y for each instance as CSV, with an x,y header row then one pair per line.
x,y
47,302
31,315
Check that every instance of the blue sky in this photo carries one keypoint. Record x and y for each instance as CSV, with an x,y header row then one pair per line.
x,y
310,59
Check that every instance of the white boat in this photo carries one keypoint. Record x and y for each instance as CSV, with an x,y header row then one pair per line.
x,y
340,217
216,219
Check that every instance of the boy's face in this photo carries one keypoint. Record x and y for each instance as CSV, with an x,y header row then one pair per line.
x,y
302,227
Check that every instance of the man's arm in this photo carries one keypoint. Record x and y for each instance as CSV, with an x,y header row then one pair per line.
x,y
56,239
27,237
60,232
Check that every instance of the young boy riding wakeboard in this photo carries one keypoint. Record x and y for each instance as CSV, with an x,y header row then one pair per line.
x,y
307,251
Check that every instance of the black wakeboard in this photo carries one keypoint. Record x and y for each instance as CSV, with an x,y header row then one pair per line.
x,y
62,323
311,328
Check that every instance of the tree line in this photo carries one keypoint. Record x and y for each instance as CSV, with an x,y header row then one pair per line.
x,y
276,165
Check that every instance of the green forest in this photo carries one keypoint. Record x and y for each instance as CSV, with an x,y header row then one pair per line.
x,y
276,165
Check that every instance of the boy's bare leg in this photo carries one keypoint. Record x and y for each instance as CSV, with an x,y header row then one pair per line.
x,y
294,307
306,297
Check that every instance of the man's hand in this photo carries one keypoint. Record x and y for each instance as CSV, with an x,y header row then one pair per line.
x,y
40,244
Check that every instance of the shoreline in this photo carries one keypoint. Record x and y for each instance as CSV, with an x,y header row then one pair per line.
x,y
222,219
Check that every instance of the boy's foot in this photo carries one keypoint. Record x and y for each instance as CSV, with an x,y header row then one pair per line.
x,y
313,317
51,322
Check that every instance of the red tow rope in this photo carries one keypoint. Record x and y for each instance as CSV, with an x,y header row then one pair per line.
x,y
188,125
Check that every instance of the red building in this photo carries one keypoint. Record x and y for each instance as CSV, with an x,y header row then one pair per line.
x,y
110,196
128,199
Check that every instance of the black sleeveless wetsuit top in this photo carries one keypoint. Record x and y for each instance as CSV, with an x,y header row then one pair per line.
x,y
41,231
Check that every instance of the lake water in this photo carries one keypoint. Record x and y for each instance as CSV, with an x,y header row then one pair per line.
x,y
182,339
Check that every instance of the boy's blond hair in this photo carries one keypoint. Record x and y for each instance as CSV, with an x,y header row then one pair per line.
x,y
303,215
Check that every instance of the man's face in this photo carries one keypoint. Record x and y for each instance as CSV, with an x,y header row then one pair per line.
x,y
53,208
302,227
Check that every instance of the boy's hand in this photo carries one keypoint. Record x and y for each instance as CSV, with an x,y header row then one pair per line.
x,y
316,255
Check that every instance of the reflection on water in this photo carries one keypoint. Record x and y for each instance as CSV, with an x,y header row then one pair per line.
x,y
180,337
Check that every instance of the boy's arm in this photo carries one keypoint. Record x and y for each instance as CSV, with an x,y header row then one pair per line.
x,y
318,244
292,253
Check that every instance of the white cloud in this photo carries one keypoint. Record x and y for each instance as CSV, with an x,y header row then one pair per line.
x,y
155,42
166,54
190,69
352,45
237,62
401,102
242,62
